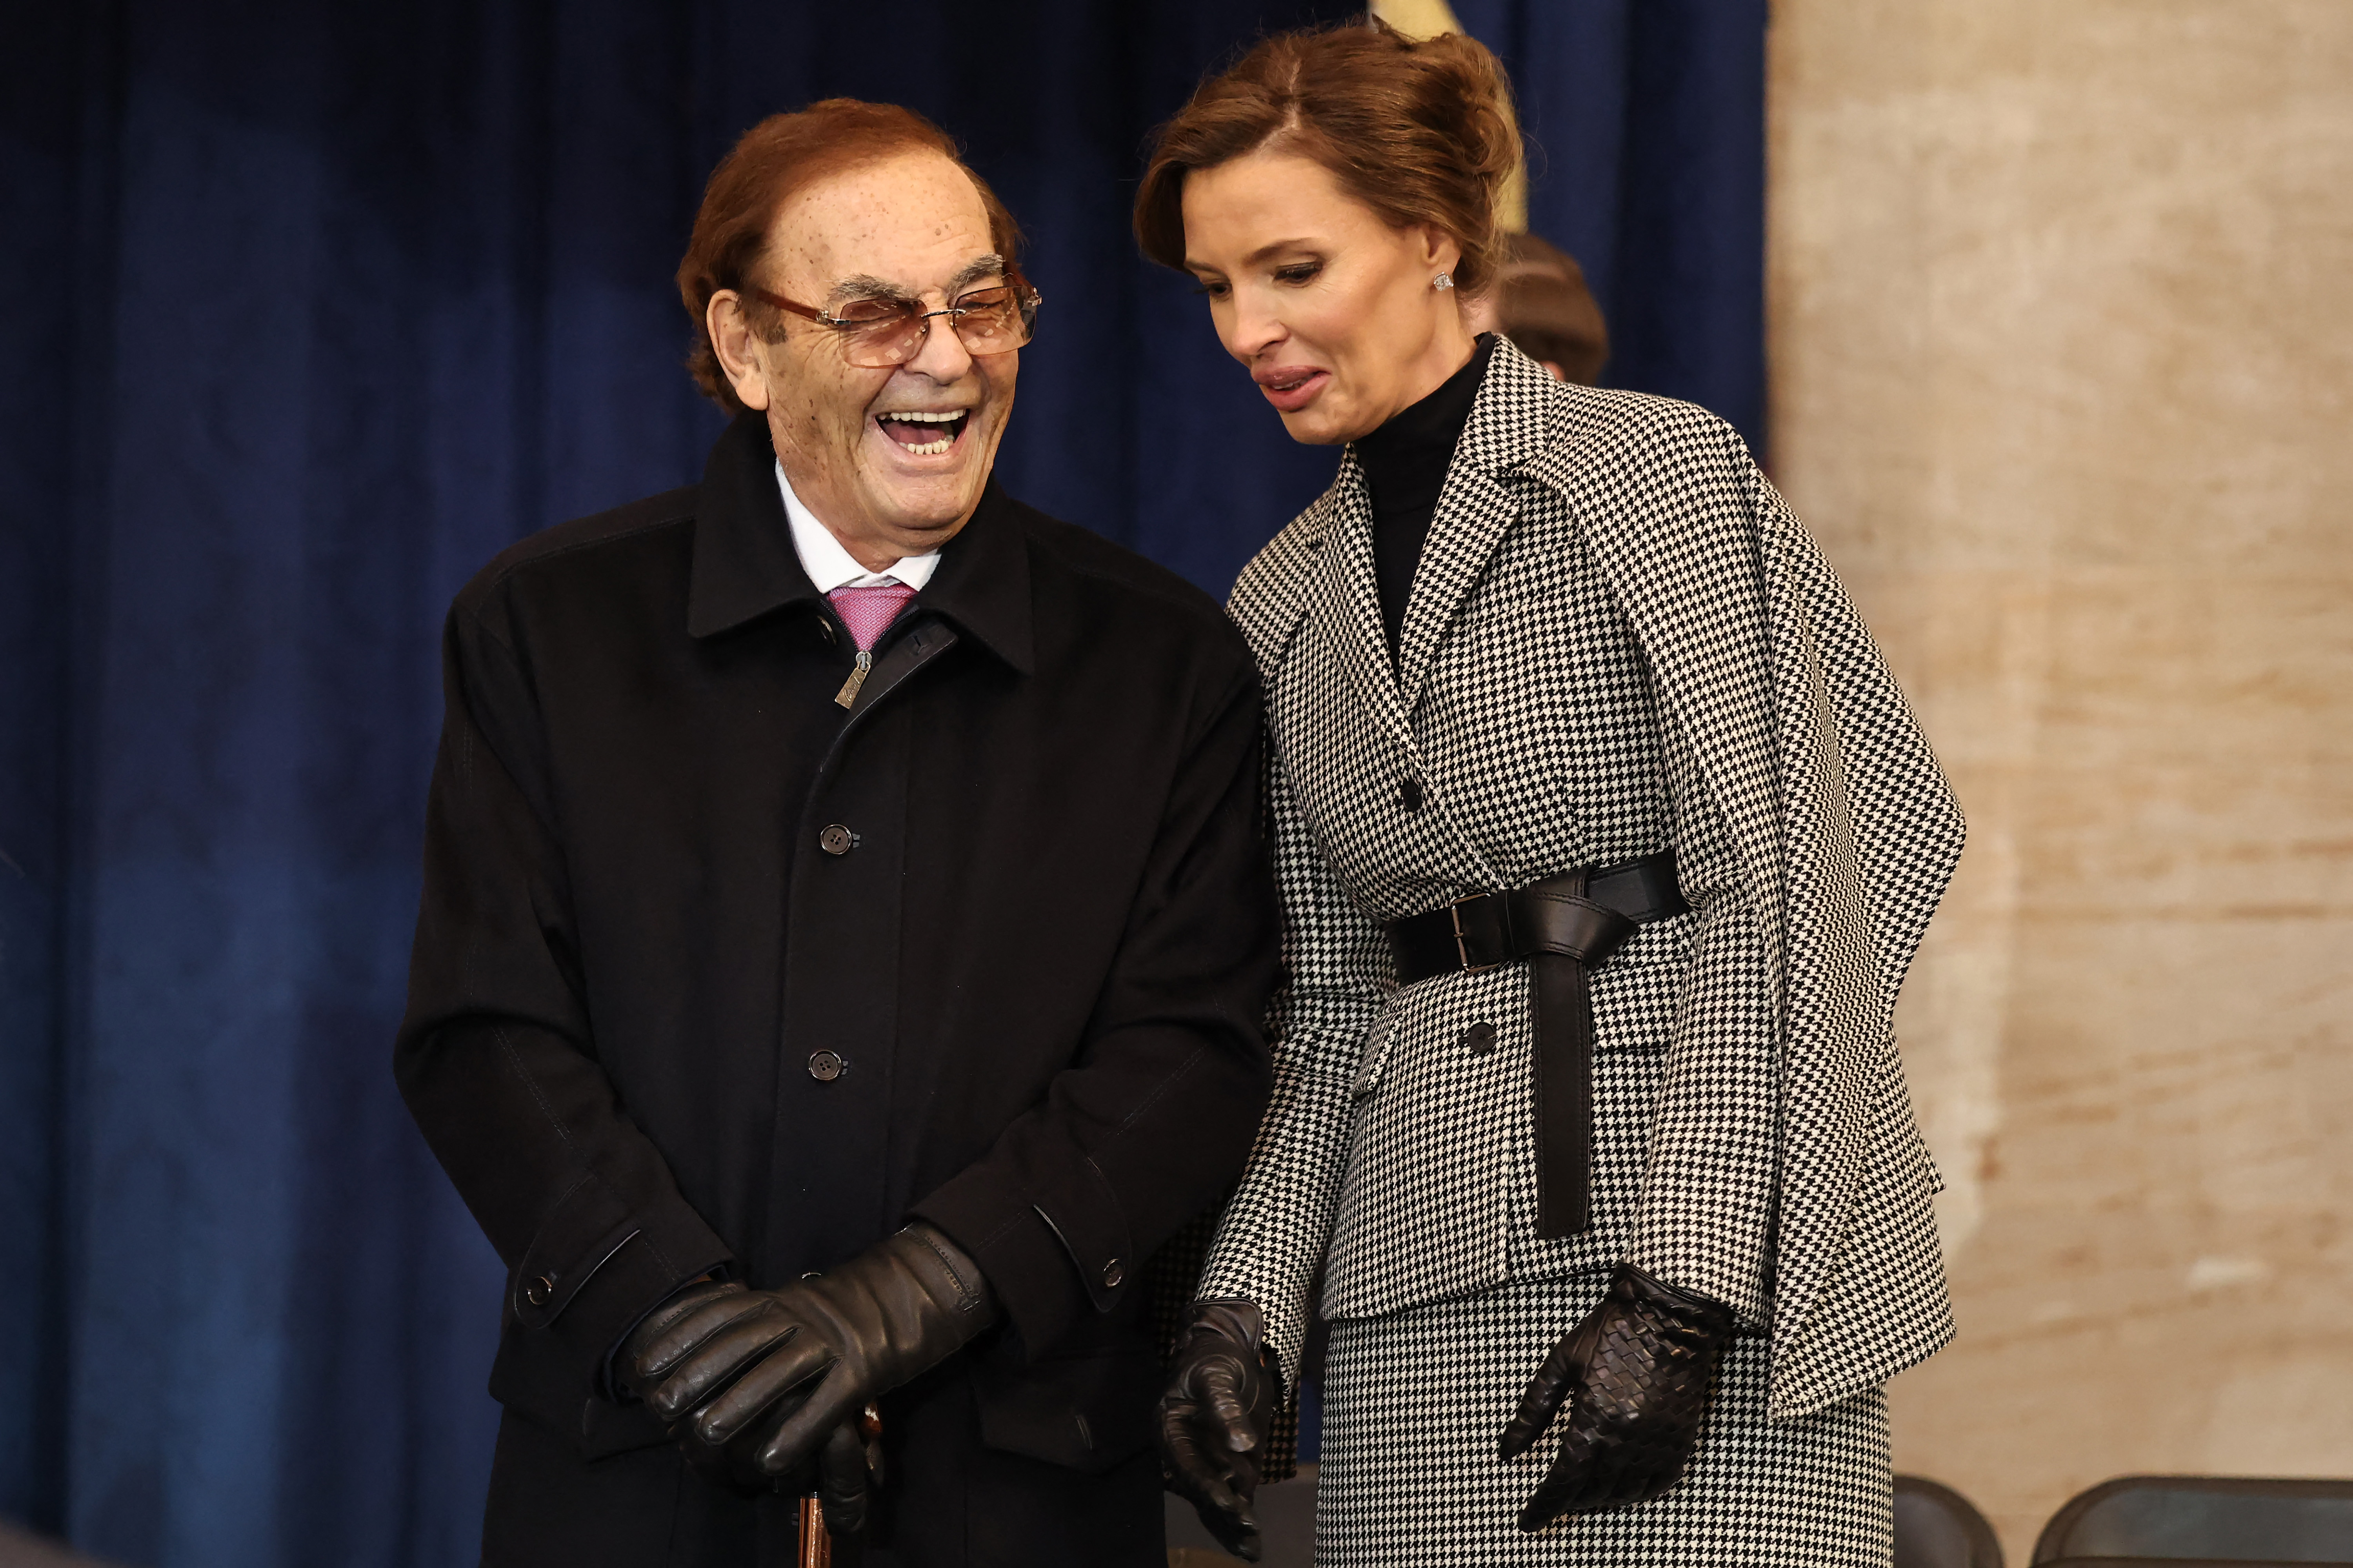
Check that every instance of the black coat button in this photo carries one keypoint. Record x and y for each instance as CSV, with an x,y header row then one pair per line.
x,y
1479,1038
826,1066
836,839
1113,1275
825,628
1410,796
540,1291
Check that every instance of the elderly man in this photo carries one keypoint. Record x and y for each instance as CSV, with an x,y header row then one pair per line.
x,y
845,930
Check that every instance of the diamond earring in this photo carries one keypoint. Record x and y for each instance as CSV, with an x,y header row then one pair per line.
x,y
1442,282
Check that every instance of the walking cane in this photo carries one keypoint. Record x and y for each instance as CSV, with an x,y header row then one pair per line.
x,y
817,1545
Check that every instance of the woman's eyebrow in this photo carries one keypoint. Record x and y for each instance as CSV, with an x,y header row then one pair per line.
x,y
1264,251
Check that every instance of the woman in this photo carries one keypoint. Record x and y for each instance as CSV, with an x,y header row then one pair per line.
x,y
1605,840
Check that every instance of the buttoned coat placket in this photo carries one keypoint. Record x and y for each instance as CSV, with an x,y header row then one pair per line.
x,y
713,973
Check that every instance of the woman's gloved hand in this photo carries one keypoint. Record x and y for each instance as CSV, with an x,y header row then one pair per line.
x,y
755,1382
1635,1375
1214,1418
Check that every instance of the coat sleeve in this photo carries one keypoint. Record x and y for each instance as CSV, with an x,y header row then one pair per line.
x,y
1337,977
1147,1127
498,1062
1703,1217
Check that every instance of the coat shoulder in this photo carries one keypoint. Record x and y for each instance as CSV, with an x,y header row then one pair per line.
x,y
1635,434
1271,594
1135,585
584,546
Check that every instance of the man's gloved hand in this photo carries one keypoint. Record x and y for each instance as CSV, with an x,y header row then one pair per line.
x,y
1213,1419
849,1474
728,1465
754,1381
1635,1374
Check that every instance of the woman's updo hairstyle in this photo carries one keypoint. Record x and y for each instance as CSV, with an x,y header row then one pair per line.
x,y
1421,132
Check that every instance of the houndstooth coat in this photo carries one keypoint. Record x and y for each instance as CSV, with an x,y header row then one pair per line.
x,y
1619,641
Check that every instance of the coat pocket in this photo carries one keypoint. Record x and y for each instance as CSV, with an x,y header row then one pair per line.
x,y
1634,1004
1373,1061
1087,1413
1421,1211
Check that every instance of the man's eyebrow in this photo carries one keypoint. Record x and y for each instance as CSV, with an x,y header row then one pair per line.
x,y
865,286
973,271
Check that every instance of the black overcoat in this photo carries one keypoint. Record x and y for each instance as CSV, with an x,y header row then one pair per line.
x,y
713,973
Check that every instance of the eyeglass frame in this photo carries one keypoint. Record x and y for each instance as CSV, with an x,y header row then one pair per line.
x,y
1026,298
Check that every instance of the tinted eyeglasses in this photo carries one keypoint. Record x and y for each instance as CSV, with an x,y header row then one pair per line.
x,y
879,333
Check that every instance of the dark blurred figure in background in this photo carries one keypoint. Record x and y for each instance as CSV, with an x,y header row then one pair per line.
x,y
1541,303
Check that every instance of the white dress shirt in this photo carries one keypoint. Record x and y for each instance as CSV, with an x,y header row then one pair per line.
x,y
829,566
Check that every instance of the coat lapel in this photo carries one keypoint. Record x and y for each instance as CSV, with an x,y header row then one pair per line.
x,y
1345,604
1510,423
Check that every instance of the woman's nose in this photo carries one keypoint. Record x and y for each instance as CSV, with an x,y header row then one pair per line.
x,y
1254,332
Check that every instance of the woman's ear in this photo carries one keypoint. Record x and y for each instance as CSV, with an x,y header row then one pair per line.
x,y
732,339
1441,252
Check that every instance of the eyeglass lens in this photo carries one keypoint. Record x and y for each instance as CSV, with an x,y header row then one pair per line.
x,y
877,333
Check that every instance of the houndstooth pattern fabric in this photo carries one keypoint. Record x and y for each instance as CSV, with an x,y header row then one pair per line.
x,y
1619,641
1410,1478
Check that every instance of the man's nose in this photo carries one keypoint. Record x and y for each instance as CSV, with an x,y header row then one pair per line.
x,y
943,356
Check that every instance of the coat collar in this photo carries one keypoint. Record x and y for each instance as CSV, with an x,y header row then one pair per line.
x,y
1510,425
745,566
983,582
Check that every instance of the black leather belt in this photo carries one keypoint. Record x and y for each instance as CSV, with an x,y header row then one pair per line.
x,y
1565,926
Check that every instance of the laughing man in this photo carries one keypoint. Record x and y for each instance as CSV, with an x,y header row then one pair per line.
x,y
845,929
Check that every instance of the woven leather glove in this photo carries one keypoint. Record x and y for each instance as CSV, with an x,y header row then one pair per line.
x,y
1635,1376
1214,1418
761,1379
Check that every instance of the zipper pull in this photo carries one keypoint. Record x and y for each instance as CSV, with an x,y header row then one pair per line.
x,y
848,692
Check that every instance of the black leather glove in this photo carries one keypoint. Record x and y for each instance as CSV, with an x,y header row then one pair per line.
x,y
734,1466
755,1382
1635,1374
1214,1418
849,1474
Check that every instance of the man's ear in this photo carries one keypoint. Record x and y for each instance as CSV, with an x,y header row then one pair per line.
x,y
733,341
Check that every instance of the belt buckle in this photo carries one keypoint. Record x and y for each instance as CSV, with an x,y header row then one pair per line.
x,y
1461,948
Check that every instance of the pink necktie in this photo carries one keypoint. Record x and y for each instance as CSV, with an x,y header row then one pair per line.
x,y
868,612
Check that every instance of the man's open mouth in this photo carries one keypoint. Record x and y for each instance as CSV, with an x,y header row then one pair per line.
x,y
924,435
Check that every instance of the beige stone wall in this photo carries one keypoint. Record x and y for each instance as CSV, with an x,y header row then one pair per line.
x,y
2061,334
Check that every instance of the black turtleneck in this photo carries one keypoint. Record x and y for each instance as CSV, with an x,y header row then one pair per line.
x,y
1405,463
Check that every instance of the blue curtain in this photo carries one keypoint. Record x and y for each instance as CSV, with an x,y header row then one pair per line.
x,y
310,309
1645,120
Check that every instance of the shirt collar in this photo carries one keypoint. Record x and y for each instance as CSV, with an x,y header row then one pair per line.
x,y
829,566
746,565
